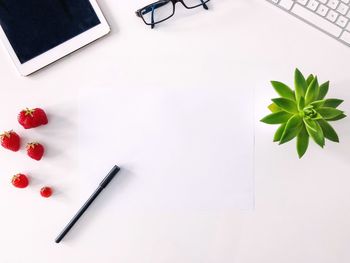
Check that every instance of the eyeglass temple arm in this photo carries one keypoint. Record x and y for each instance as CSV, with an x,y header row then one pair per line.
x,y
204,5
152,17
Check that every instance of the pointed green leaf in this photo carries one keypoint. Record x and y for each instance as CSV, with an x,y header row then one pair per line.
x,y
329,113
341,116
316,132
309,79
283,90
292,129
277,118
279,132
323,90
317,117
310,125
333,103
318,103
274,108
328,131
300,85
286,105
312,92
301,103
302,142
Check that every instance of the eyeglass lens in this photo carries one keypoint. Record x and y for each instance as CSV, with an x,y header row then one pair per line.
x,y
158,12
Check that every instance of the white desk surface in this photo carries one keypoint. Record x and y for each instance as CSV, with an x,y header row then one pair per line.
x,y
301,206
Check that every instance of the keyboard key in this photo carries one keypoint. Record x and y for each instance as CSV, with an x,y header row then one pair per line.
x,y
343,9
286,4
333,4
345,1
312,5
316,20
323,1
332,16
342,21
348,27
302,2
345,37
322,10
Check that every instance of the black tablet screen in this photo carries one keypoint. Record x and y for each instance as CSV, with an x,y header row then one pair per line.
x,y
36,26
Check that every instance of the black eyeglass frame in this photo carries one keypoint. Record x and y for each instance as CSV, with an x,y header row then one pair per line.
x,y
160,3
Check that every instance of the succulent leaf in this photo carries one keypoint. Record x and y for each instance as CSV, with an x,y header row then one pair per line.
x,y
277,117
283,90
286,105
301,103
315,132
279,132
302,142
328,131
312,92
309,79
300,85
274,108
328,112
292,129
333,103
323,90
309,125
341,116
318,103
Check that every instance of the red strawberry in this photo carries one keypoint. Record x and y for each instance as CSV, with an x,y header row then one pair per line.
x,y
20,181
35,150
10,140
40,115
46,192
32,118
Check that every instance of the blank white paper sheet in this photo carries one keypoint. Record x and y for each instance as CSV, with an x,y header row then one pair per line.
x,y
180,149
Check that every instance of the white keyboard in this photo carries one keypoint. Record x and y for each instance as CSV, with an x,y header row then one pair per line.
x,y
330,16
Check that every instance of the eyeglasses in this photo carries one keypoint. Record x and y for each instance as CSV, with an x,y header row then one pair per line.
x,y
164,9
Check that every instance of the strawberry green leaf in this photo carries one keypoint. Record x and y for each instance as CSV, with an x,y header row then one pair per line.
x,y
333,103
329,113
312,92
341,116
292,129
302,142
283,90
286,105
274,108
277,118
323,90
315,132
279,132
318,103
309,80
328,131
300,85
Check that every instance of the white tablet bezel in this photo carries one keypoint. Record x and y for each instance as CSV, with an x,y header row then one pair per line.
x,y
61,50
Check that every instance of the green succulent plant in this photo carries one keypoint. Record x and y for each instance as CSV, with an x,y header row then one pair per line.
x,y
304,112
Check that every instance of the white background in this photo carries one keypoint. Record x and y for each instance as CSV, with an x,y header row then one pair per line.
x,y
301,206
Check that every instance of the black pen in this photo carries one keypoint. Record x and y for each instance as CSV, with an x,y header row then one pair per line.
x,y
82,210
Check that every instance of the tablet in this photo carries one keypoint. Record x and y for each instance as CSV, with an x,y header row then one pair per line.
x,y
38,32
